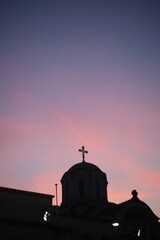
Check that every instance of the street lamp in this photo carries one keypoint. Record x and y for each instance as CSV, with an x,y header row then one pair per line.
x,y
115,224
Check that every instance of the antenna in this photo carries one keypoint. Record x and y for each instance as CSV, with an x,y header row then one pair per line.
x,y
56,203
56,194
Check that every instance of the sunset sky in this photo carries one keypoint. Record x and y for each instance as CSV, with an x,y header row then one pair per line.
x,y
81,72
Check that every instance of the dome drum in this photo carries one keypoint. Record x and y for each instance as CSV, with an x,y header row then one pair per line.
x,y
84,182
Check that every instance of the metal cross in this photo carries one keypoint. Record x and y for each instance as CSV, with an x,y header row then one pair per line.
x,y
83,151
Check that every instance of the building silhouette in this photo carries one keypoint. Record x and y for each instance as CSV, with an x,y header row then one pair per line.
x,y
85,212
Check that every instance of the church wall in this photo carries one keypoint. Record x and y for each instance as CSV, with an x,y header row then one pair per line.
x,y
87,229
23,205
19,230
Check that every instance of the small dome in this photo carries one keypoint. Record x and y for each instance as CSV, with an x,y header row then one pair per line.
x,y
84,165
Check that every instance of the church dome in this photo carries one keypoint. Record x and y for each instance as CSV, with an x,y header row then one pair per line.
x,y
84,183
84,166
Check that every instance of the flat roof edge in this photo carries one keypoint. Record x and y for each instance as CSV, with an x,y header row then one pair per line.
x,y
18,191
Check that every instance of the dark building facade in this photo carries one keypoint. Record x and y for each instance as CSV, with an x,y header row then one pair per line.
x,y
85,212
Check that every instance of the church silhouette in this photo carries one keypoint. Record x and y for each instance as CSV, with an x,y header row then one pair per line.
x,y
85,212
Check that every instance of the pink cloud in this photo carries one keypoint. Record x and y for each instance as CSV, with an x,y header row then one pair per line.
x,y
117,138
45,183
16,132
132,175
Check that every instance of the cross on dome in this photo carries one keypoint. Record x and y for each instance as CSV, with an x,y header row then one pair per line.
x,y
83,151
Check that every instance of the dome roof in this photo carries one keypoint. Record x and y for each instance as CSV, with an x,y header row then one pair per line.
x,y
84,165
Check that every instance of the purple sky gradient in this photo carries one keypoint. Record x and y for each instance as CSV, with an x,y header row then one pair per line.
x,y
79,73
